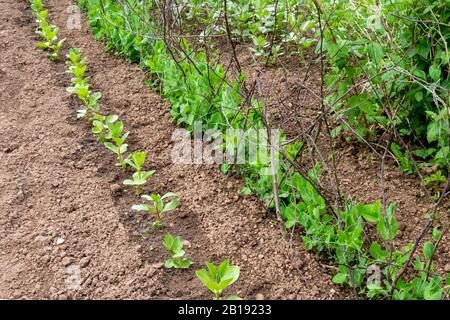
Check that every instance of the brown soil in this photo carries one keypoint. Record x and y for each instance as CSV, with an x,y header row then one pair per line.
x,y
56,182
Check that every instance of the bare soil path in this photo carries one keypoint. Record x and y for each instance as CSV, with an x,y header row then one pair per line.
x,y
56,186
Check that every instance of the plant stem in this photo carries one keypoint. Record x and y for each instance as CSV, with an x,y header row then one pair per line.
x,y
138,190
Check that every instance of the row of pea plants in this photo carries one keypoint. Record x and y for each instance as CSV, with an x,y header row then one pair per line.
x,y
198,92
109,130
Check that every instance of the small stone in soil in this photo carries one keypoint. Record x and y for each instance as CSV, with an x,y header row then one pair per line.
x,y
187,243
116,188
84,262
66,261
158,265
183,215
447,267
179,294
20,196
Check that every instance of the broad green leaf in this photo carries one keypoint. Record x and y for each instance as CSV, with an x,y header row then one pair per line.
x,y
169,263
233,298
168,195
377,252
339,278
204,277
171,205
435,72
419,96
428,250
370,212
140,207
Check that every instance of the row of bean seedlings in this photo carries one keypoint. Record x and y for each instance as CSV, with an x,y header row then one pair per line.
x,y
109,130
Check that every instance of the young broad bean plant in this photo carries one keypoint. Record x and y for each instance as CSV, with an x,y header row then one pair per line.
x,y
174,245
76,65
80,85
100,126
48,32
159,205
89,99
217,279
136,161
118,146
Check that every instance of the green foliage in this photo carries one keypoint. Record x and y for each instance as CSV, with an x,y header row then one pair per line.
x,y
138,179
435,179
118,145
267,27
48,32
136,161
100,126
174,245
403,158
158,205
399,53
217,279
81,88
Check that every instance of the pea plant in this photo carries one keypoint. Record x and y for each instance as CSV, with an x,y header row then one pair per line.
x,y
174,246
47,31
158,205
217,279
139,178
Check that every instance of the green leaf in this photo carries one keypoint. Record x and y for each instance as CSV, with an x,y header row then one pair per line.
x,y
436,234
171,205
183,263
233,298
383,230
168,195
376,52
140,207
169,263
204,277
419,96
370,212
377,252
112,118
147,174
232,273
432,291
168,241
246,191
111,147
339,278
428,250
433,131
435,72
